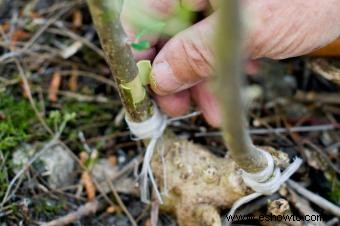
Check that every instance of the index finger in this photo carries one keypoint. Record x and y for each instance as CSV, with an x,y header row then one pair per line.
x,y
152,16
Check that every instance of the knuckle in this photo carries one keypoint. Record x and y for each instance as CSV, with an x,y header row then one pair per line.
x,y
163,7
198,57
195,4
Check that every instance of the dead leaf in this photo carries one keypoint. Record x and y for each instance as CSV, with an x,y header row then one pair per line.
x,y
54,86
19,35
73,82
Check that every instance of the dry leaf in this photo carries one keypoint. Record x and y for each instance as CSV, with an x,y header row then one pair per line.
x,y
19,35
73,82
54,86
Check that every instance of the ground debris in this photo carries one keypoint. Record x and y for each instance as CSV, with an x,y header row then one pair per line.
x,y
51,58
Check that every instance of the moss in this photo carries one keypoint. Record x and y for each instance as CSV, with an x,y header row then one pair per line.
x,y
334,195
16,118
92,119
84,110
48,208
3,176
89,118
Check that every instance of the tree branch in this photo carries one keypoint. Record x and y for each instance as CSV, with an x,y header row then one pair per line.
x,y
228,86
106,17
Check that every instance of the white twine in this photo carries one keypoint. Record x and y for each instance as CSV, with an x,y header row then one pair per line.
x,y
152,129
265,182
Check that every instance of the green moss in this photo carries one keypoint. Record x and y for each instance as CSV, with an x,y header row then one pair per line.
x,y
48,208
3,176
334,195
92,119
17,116
83,109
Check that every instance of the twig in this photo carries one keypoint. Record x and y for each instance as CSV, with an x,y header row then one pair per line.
x,y
256,205
45,26
30,98
57,6
333,221
7,195
301,204
154,213
121,204
299,129
325,69
27,88
316,199
323,156
85,98
90,75
85,41
325,98
82,211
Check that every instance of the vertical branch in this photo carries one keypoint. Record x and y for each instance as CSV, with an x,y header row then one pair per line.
x,y
228,86
106,17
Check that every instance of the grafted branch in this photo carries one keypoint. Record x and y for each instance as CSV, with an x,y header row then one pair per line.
x,y
106,17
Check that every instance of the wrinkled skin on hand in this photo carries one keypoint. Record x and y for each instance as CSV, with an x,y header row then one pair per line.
x,y
276,29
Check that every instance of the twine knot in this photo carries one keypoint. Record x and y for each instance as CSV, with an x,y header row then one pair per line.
x,y
266,182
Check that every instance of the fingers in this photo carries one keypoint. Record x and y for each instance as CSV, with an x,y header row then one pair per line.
x,y
185,60
145,10
195,5
252,67
282,29
174,105
179,103
278,29
145,54
161,8
207,103
152,11
165,8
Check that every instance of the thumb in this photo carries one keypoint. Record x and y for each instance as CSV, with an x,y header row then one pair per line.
x,y
185,60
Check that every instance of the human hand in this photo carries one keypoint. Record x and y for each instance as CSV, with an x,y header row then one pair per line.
x,y
277,30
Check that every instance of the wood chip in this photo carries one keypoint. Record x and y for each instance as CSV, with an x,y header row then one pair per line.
x,y
90,187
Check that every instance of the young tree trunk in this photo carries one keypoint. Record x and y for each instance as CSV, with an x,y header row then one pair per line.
x,y
106,17
228,87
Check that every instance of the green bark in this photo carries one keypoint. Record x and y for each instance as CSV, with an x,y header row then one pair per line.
x,y
228,86
106,17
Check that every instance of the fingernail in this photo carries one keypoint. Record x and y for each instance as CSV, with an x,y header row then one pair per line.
x,y
164,78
